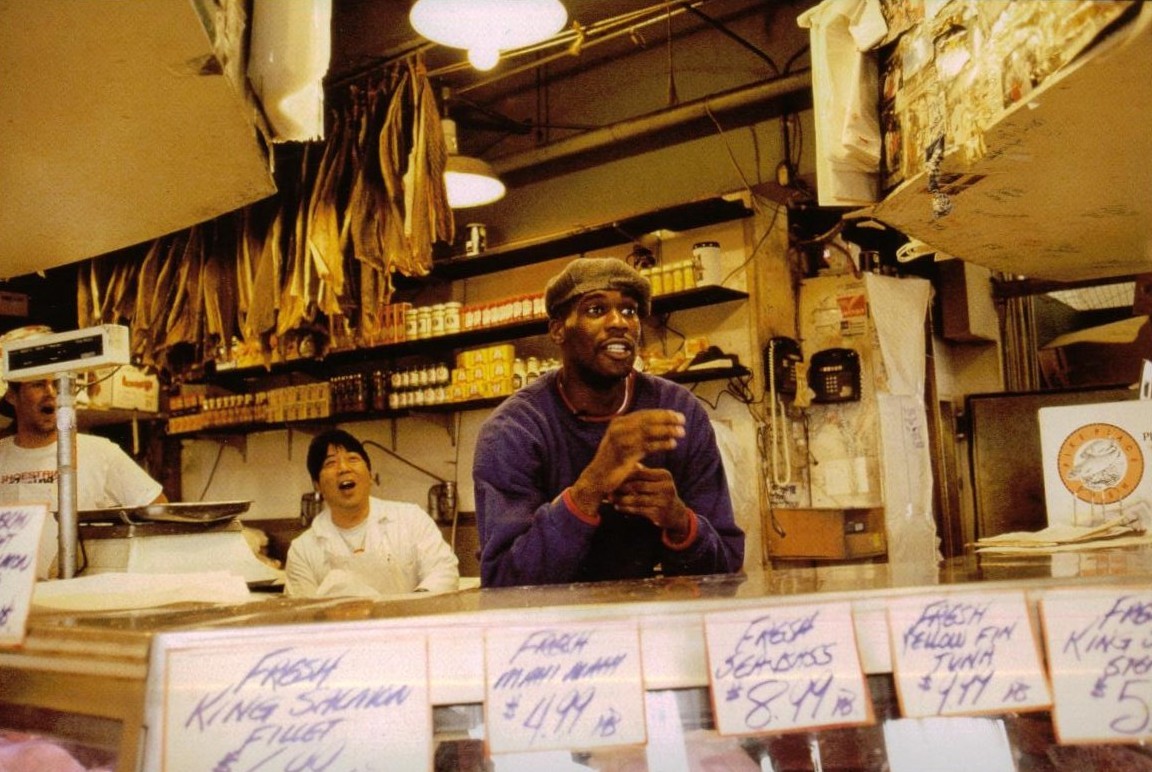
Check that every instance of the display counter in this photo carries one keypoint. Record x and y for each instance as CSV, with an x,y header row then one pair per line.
x,y
100,684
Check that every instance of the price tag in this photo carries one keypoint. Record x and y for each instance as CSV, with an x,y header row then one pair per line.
x,y
564,686
785,668
20,528
961,654
320,701
1100,660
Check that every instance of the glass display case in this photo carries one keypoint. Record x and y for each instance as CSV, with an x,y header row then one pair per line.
x,y
95,686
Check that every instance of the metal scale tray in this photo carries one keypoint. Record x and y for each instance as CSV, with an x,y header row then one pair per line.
x,y
204,513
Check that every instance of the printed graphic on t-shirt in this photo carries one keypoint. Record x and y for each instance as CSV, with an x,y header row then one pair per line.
x,y
29,478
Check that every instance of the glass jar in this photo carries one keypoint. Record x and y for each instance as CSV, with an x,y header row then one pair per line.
x,y
451,317
411,324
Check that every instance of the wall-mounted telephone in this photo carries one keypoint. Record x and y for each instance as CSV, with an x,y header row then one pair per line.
x,y
782,355
834,375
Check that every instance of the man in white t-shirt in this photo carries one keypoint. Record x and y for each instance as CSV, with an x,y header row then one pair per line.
x,y
106,476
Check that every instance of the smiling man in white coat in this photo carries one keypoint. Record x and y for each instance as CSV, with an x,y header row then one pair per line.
x,y
360,545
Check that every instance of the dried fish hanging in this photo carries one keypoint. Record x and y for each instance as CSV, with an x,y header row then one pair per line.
x,y
84,304
264,243
181,322
147,284
219,286
327,246
244,269
322,228
362,227
156,298
393,158
297,304
106,288
430,218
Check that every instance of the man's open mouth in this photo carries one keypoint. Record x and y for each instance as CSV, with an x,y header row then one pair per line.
x,y
618,349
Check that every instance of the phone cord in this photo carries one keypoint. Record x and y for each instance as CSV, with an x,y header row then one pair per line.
x,y
776,419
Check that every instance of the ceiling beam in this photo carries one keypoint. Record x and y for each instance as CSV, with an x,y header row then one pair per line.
x,y
731,109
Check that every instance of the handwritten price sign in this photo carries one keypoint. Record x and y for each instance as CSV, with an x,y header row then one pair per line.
x,y
786,668
322,702
1100,658
965,654
567,686
20,528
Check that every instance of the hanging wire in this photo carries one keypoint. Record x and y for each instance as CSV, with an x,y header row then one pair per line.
x,y
580,37
400,458
212,472
673,99
777,417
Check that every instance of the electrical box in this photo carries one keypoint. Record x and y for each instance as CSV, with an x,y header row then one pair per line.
x,y
826,534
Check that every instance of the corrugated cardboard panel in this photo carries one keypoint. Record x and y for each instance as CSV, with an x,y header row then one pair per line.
x,y
1061,190
119,126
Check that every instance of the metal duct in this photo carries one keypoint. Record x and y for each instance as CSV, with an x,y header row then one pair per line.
x,y
691,120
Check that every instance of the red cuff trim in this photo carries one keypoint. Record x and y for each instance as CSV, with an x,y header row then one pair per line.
x,y
566,496
693,530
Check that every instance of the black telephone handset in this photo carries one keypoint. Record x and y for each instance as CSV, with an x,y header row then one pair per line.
x,y
782,355
834,375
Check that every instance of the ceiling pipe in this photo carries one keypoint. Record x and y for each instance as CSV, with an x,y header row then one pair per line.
x,y
690,120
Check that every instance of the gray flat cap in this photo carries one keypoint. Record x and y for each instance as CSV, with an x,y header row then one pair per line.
x,y
589,274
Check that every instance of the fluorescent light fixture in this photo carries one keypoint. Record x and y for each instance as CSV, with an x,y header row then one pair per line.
x,y
486,27
470,181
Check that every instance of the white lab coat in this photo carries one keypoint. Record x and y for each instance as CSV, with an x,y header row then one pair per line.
x,y
403,552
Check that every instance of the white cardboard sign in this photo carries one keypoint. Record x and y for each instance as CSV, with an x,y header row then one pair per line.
x,y
1097,460
785,668
1100,660
959,654
325,700
575,685
20,529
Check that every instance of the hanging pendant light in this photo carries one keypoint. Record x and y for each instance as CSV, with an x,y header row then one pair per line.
x,y
486,27
469,181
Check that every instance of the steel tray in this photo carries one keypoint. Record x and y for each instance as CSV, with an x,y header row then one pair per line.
x,y
172,512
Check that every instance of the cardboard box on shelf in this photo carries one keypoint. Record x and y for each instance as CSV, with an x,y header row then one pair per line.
x,y
1106,355
125,388
13,304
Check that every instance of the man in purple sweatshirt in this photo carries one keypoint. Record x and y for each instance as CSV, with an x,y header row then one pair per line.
x,y
595,471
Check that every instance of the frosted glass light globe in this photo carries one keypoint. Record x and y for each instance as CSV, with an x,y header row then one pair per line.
x,y
486,27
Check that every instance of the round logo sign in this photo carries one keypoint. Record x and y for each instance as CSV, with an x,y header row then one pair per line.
x,y
1100,463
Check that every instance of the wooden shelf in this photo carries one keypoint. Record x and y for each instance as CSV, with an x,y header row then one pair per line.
x,y
694,376
89,417
663,304
228,432
708,374
580,241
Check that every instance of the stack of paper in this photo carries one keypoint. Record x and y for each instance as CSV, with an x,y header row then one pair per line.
x,y
1120,531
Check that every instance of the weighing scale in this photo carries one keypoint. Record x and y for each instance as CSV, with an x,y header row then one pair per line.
x,y
152,538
